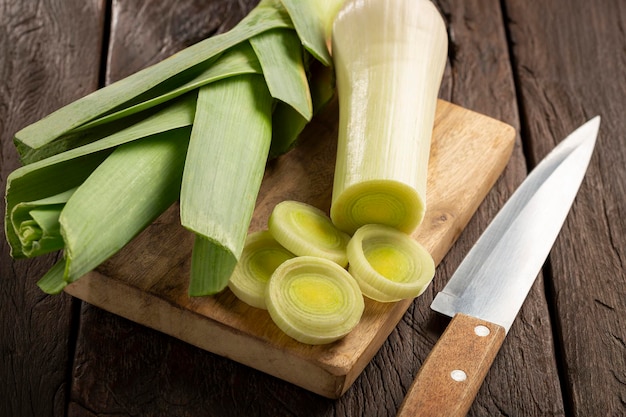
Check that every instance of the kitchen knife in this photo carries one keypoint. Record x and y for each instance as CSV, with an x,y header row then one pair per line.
x,y
487,290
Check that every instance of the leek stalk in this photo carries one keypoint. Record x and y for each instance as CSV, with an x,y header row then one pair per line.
x,y
36,224
67,170
388,79
104,213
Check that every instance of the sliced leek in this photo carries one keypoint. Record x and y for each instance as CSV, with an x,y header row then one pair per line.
x,y
307,231
260,257
388,264
387,83
314,300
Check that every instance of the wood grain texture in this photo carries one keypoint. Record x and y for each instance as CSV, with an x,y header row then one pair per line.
x,y
454,370
524,378
49,56
569,72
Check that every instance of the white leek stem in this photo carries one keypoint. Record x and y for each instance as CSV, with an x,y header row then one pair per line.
x,y
389,59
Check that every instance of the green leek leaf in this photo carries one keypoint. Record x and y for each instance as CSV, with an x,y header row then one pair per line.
x,y
52,282
267,15
130,189
228,150
238,60
312,20
281,57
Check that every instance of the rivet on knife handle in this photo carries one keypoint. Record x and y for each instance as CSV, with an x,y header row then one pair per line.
x,y
451,375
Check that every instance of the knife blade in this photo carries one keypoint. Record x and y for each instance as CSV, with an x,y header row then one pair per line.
x,y
487,290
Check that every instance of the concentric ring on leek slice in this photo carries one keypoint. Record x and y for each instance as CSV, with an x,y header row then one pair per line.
x,y
259,259
314,300
388,264
307,231
387,202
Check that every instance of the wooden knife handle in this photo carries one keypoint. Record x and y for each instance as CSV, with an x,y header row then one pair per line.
x,y
451,375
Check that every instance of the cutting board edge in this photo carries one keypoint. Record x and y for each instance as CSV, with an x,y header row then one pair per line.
x,y
218,338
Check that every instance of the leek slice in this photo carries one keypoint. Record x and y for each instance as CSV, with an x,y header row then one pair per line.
x,y
225,164
307,231
314,300
260,257
388,264
387,83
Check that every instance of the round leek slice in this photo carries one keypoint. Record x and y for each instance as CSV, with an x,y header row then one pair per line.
x,y
314,300
259,259
388,264
307,231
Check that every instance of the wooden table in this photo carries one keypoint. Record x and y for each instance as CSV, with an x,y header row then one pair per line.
x,y
543,67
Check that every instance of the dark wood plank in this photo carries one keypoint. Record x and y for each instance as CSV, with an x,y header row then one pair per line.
x,y
570,63
481,79
50,55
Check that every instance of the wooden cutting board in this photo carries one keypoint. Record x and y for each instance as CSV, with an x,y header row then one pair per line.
x,y
147,281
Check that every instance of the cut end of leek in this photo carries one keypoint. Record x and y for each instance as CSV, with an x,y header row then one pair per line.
x,y
260,257
389,265
307,231
314,300
211,267
385,202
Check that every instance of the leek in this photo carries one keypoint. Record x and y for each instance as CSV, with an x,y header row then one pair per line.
x,y
67,170
281,59
104,213
387,83
388,264
268,14
260,257
218,193
314,300
235,99
307,231
36,224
